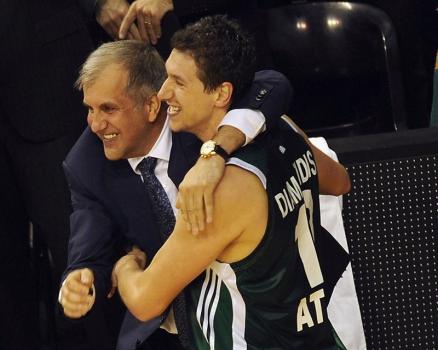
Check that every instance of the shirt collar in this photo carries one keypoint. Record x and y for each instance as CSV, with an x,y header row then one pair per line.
x,y
160,149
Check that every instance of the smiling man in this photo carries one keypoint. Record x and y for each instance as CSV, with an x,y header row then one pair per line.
x,y
112,209
257,277
124,132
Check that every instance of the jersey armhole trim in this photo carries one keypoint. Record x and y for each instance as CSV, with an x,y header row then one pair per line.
x,y
249,167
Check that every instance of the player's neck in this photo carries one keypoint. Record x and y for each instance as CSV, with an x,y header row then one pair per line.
x,y
206,131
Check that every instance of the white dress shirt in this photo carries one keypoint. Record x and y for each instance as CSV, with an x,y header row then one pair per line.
x,y
249,121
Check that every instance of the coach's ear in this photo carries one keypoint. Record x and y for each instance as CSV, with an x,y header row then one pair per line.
x,y
152,107
224,92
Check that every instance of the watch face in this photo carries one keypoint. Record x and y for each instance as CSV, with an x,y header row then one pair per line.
x,y
208,147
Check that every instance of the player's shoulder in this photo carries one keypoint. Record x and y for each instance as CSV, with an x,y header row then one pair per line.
x,y
239,187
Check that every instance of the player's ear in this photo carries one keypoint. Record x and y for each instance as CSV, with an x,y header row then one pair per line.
x,y
224,92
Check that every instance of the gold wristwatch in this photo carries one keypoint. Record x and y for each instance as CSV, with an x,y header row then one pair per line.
x,y
210,148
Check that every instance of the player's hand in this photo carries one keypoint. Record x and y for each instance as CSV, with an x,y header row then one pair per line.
x,y
110,14
135,256
195,198
148,14
140,256
77,293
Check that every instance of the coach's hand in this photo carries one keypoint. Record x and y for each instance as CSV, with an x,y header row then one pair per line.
x,y
195,198
77,293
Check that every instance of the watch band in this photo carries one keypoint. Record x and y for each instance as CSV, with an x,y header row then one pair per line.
x,y
221,152
210,148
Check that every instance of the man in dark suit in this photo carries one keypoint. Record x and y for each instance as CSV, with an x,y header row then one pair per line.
x,y
127,123
43,44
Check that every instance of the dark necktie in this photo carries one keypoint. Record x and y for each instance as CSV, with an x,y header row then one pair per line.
x,y
165,218
160,203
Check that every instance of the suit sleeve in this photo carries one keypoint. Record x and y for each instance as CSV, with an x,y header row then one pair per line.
x,y
93,239
271,93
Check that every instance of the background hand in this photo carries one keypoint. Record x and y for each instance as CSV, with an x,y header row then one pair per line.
x,y
195,198
110,14
75,297
148,14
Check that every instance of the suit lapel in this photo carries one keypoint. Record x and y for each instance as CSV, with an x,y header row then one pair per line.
x,y
184,153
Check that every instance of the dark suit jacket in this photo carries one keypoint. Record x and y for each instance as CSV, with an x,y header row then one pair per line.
x,y
43,43
110,206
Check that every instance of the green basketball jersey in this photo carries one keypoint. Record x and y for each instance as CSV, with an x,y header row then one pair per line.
x,y
275,298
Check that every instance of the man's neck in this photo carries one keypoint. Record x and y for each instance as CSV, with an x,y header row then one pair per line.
x,y
209,130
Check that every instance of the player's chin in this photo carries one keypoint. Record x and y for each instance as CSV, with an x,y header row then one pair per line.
x,y
176,125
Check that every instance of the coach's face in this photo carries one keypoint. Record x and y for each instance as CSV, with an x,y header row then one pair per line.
x,y
117,119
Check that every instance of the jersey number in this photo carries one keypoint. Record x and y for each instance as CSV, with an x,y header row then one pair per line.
x,y
304,235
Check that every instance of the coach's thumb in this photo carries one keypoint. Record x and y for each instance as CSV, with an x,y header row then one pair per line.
x,y
87,277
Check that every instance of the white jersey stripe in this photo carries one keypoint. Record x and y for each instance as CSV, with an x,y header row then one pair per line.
x,y
202,296
207,304
213,312
228,277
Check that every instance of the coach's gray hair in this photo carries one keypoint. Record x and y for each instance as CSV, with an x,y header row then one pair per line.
x,y
145,67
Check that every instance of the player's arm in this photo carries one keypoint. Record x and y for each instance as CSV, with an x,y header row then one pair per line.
x,y
333,178
184,256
